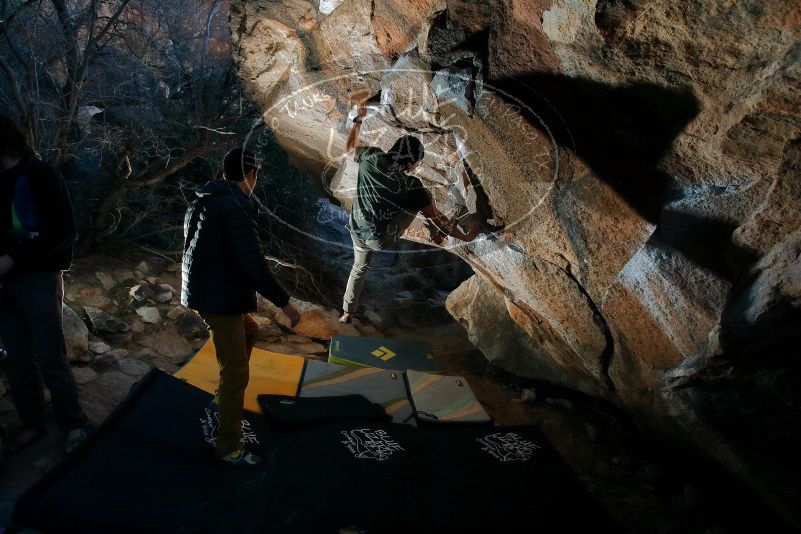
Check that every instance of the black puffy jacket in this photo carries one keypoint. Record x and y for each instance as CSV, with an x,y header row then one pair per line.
x,y
223,265
37,226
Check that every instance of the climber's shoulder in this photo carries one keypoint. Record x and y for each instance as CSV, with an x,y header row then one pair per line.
x,y
365,152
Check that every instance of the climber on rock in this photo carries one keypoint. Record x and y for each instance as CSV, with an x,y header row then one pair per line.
x,y
385,203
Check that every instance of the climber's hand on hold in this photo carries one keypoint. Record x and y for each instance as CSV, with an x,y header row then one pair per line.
x,y
473,232
438,239
439,226
357,112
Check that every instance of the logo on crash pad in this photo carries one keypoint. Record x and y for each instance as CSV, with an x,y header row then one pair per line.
x,y
383,353
508,447
210,423
369,444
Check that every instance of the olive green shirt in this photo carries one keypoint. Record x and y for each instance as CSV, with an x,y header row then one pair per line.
x,y
383,196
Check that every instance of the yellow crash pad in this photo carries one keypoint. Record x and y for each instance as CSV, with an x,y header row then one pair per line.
x,y
270,373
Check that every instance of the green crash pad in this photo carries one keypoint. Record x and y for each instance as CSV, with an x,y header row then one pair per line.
x,y
384,387
393,354
438,399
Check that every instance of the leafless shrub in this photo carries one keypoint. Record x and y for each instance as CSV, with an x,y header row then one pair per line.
x,y
126,97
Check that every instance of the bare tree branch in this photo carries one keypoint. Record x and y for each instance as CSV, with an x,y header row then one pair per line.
x,y
215,130
8,20
112,21
162,100
12,81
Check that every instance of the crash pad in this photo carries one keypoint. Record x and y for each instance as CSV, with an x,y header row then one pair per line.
x,y
368,476
439,399
387,388
384,353
270,373
283,410
148,469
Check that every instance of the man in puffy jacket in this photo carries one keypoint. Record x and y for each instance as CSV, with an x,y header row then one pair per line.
x,y
223,269
37,233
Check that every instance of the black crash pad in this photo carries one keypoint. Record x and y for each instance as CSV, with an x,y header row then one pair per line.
x,y
148,468
363,476
282,409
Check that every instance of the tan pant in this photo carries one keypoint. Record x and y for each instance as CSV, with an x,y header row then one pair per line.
x,y
363,254
233,337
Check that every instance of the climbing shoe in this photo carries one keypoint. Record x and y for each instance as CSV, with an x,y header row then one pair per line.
x,y
346,318
75,437
242,458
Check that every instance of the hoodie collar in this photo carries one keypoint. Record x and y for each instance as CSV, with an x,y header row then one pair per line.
x,y
219,187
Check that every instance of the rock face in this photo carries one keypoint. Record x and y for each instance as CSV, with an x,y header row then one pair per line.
x,y
635,167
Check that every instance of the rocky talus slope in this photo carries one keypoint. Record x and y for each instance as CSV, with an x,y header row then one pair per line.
x,y
635,165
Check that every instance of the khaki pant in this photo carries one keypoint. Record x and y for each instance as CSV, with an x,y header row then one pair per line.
x,y
233,337
363,253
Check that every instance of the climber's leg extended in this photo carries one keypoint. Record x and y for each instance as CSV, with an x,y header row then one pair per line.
x,y
362,254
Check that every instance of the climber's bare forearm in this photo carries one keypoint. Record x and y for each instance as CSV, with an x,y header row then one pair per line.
x,y
353,139
353,136
441,222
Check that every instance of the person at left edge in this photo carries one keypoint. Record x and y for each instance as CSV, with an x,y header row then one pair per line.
x,y
37,234
223,269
